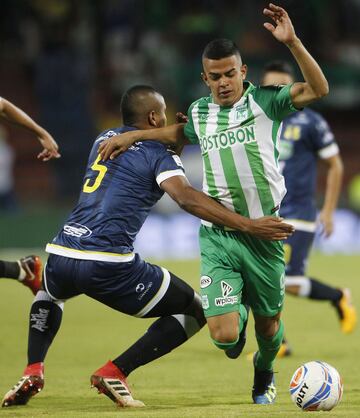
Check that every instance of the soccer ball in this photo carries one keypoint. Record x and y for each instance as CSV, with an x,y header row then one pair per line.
x,y
316,386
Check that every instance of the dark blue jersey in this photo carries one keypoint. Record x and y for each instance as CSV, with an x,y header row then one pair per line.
x,y
115,200
305,137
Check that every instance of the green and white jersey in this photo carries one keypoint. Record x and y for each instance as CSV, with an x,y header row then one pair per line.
x,y
239,146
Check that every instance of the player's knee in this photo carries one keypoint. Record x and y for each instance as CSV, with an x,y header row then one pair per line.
x,y
224,336
225,341
224,328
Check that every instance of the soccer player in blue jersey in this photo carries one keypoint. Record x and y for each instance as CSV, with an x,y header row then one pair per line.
x,y
304,140
93,254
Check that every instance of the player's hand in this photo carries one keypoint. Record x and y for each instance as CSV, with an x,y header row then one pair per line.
x,y
181,118
284,30
327,222
50,146
117,144
270,228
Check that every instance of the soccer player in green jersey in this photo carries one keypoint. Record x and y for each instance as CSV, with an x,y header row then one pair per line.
x,y
237,128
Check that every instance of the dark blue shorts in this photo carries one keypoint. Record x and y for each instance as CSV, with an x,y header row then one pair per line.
x,y
297,249
133,288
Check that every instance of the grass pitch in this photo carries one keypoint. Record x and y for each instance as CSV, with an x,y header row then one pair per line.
x,y
196,380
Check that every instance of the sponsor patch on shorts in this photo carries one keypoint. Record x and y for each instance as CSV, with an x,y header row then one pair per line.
x,y
226,289
227,300
205,281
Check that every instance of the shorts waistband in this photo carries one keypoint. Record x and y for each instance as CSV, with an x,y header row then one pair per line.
x,y
88,255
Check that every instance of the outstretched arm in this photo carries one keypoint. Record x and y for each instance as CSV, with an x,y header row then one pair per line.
x,y
315,85
333,187
202,206
117,144
17,116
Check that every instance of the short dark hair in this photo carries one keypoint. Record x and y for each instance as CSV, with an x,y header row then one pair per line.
x,y
220,48
130,105
279,67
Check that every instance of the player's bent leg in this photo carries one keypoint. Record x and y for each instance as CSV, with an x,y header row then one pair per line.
x,y
45,320
316,290
235,351
181,316
269,335
224,329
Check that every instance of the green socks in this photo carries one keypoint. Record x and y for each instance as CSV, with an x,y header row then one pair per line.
x,y
268,348
225,346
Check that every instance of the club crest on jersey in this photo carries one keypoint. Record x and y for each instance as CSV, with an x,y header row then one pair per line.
x,y
240,112
203,117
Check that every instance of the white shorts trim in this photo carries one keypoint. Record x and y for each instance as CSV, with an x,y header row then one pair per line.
x,y
158,296
88,255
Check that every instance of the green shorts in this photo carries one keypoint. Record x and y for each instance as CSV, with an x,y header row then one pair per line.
x,y
238,268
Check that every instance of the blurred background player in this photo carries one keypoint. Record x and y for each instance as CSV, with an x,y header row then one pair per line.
x,y
13,114
28,269
305,138
93,254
